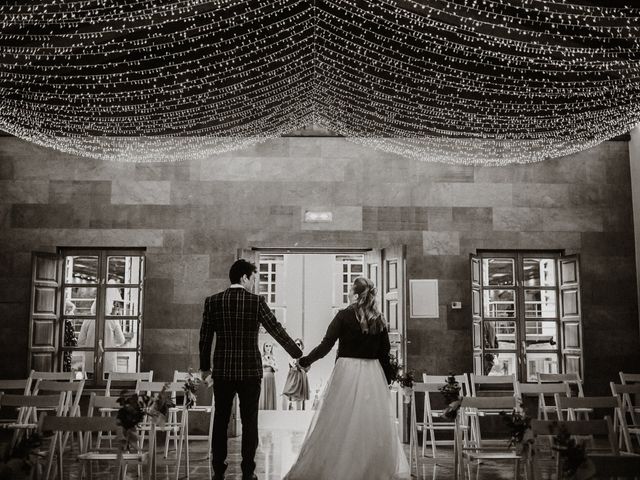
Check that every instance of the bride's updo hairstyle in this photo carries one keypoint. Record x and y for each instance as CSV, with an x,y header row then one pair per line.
x,y
367,313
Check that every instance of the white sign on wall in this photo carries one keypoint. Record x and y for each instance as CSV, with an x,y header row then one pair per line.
x,y
423,298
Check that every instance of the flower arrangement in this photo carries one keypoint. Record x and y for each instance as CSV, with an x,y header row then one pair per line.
x,y
404,380
573,456
451,392
190,390
17,463
519,424
133,409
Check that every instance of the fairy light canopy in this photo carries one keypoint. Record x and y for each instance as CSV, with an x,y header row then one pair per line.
x,y
459,81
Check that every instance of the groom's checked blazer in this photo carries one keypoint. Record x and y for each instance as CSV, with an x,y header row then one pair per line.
x,y
235,315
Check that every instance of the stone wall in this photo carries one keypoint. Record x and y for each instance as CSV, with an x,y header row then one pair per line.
x,y
192,217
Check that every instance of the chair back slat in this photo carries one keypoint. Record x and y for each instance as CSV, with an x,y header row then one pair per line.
x,y
619,389
155,387
462,379
586,402
37,401
558,377
22,384
492,379
96,402
179,376
580,427
542,388
493,403
427,387
629,377
59,376
129,376
53,386
50,423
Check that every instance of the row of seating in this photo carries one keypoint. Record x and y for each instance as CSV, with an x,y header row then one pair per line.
x,y
50,402
560,397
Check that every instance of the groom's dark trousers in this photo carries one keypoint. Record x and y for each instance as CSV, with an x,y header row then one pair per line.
x,y
234,317
248,394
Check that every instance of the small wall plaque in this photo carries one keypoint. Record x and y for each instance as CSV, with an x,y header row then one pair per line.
x,y
423,298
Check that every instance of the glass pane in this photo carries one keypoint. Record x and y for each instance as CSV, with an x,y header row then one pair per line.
x,y
356,268
121,301
263,288
499,335
539,272
393,275
541,363
80,301
373,274
497,271
540,303
124,269
264,267
499,363
81,269
121,333
542,335
123,362
264,277
500,303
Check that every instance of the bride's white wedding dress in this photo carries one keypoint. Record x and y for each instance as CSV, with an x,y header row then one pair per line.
x,y
353,435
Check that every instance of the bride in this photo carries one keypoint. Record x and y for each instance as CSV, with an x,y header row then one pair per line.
x,y
353,433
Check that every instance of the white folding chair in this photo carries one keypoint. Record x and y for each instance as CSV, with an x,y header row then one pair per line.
x,y
628,396
471,450
575,384
492,385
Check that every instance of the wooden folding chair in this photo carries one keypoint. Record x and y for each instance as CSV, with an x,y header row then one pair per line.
x,y
432,419
63,426
182,377
495,449
492,385
116,383
574,382
26,404
174,427
585,429
16,387
574,405
628,396
627,378
541,391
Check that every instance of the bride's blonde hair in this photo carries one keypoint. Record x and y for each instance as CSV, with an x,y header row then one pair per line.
x,y
367,313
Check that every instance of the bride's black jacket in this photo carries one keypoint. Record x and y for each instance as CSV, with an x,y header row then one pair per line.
x,y
353,343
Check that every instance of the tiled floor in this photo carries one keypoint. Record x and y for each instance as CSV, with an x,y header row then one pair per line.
x,y
277,451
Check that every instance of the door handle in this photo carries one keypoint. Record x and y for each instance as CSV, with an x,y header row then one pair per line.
x,y
100,350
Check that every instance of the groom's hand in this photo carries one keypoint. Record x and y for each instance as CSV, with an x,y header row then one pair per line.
x,y
207,378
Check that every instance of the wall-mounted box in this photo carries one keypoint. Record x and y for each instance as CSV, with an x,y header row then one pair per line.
x,y
423,298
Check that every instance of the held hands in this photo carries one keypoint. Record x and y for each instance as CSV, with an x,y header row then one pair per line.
x,y
303,362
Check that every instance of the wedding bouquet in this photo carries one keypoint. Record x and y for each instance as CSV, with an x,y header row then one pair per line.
x,y
451,392
190,390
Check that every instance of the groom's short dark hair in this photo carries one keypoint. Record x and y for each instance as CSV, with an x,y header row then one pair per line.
x,y
239,268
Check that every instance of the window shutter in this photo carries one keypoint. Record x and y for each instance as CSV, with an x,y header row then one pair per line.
x,y
476,313
570,314
44,311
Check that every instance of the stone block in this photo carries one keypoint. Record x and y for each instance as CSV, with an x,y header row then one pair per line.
x,y
85,192
50,216
606,244
173,315
518,219
6,167
163,365
386,195
424,172
24,191
541,195
395,218
140,192
441,243
5,216
569,241
163,171
572,220
194,292
471,218
440,218
166,340
481,194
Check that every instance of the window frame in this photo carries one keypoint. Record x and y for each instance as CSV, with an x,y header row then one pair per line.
x,y
100,317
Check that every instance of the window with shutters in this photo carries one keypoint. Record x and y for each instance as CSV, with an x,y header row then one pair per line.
x,y
526,313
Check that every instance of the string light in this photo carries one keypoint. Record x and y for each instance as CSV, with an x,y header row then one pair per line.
x,y
459,81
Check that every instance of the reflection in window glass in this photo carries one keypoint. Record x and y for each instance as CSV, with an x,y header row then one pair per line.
x,y
499,363
542,335
540,303
499,303
541,363
79,301
539,272
497,271
81,269
124,269
122,301
499,335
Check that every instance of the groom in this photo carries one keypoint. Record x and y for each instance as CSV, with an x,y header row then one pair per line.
x,y
235,315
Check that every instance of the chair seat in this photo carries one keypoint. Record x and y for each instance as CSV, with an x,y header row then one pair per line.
x,y
504,455
18,425
141,457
